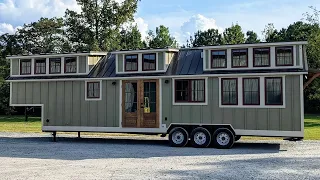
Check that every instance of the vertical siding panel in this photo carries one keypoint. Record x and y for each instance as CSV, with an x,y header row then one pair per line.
x,y
111,90
76,103
93,117
45,101
227,116
185,115
296,115
60,103
286,118
262,119
274,119
22,93
196,114
14,96
166,103
52,103
68,103
117,104
251,119
176,114
36,93
84,105
29,93
239,121
217,113
102,107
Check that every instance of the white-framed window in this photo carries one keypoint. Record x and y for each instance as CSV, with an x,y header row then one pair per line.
x,y
70,65
190,91
55,65
284,56
25,66
252,92
40,66
93,90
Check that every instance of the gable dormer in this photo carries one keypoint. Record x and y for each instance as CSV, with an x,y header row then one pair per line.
x,y
143,61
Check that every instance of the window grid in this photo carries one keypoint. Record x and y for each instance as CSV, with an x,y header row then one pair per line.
x,y
40,66
229,92
261,57
284,56
131,62
55,65
149,62
25,67
93,90
251,91
239,58
70,65
218,59
273,90
190,90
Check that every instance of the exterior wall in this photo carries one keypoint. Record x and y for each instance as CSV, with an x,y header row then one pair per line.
x,y
278,119
15,67
65,105
161,60
82,64
120,62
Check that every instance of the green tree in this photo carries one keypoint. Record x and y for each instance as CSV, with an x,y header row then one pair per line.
x,y
206,38
161,38
131,38
252,37
97,26
233,35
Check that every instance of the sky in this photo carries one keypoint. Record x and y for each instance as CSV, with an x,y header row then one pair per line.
x,y
183,17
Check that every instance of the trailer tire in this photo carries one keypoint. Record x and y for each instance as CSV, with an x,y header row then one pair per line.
x,y
178,137
223,138
237,138
200,137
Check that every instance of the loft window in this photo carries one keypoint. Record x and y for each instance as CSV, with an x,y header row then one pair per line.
x,y
284,56
149,62
25,66
219,59
273,91
261,57
55,65
251,91
229,91
190,90
40,66
239,58
131,62
93,90
70,65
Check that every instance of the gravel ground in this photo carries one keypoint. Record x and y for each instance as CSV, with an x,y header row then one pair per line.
x,y
34,156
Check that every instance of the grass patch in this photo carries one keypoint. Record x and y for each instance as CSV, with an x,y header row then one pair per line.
x,y
18,124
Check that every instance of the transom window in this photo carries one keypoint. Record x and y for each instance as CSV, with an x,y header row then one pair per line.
x,y
273,91
218,59
25,66
261,57
239,58
284,56
40,66
93,90
148,62
251,91
131,62
229,91
190,90
70,65
55,65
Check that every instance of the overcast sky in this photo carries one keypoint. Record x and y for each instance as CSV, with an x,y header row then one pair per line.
x,y
183,17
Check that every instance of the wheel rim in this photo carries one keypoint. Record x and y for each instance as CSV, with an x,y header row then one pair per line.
x,y
177,137
223,138
200,138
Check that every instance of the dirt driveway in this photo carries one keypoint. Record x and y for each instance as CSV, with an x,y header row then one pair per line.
x,y
34,156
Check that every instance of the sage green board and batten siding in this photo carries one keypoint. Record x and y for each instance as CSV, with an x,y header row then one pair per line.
x,y
65,105
161,60
82,64
15,67
285,119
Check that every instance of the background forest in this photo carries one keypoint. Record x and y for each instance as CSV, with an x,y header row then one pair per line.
x,y
107,25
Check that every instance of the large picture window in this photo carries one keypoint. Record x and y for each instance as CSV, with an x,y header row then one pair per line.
x,y
25,66
239,58
251,91
261,57
229,91
131,62
55,65
70,65
40,66
93,90
218,59
273,91
149,62
190,90
284,56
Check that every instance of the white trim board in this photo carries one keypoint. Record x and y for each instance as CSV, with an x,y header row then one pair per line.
x,y
268,133
145,51
57,55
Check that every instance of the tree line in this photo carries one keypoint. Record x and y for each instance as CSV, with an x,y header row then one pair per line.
x,y
106,25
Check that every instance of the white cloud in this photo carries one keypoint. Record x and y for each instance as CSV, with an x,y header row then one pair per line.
x,y
8,28
142,26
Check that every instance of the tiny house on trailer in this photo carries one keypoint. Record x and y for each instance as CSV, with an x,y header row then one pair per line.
x,y
210,94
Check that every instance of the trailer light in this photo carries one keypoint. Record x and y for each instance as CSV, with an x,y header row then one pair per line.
x,y
114,83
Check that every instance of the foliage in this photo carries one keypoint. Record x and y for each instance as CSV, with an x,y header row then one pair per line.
x,y
233,35
131,38
207,38
252,37
161,38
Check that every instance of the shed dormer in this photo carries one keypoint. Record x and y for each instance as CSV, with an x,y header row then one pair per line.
x,y
143,61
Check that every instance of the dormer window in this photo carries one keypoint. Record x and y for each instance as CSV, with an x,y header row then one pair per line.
x,y
25,66
70,65
40,66
261,57
55,65
239,58
148,62
284,56
131,62
218,59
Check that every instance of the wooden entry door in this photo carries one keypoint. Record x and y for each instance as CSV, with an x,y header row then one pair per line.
x,y
140,103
